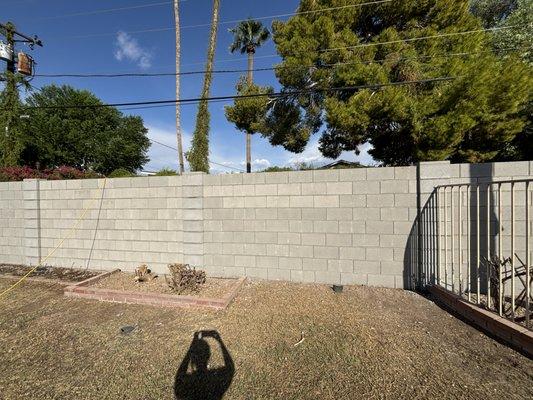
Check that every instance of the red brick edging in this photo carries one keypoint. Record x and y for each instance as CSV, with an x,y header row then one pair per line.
x,y
516,335
81,290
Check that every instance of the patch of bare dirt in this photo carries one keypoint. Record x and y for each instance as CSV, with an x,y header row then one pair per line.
x,y
212,288
365,343
59,273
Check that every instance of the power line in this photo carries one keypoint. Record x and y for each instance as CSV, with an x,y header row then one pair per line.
x,y
243,70
210,161
227,22
232,97
104,11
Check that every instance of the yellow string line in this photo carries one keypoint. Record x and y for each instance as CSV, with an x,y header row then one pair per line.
x,y
68,236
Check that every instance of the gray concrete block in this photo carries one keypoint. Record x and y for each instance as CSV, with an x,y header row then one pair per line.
x,y
352,227
327,277
379,173
338,188
338,239
301,201
395,214
317,188
327,252
353,174
366,187
318,239
291,263
276,177
339,214
355,200
434,170
315,264
394,186
379,254
301,176
293,189
326,226
380,200
289,213
300,250
325,201
387,281
326,175
279,274
353,279
266,190
340,265
380,227
352,253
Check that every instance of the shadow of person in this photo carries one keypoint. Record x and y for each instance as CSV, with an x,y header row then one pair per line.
x,y
202,382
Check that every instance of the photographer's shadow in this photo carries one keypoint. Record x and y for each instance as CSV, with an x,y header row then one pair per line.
x,y
200,382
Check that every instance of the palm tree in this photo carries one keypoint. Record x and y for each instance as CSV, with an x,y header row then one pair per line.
x,y
248,36
178,55
198,156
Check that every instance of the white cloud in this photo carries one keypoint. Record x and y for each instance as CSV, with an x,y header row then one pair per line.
x,y
312,155
259,163
127,48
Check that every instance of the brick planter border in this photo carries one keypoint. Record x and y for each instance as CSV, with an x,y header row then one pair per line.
x,y
515,335
83,290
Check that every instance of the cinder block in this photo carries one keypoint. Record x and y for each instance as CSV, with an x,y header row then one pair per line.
x,y
353,279
327,252
300,176
314,214
289,238
231,179
365,240
326,226
313,188
300,250
318,239
380,227
327,277
367,267
404,200
276,177
395,214
352,227
380,200
258,273
366,187
326,175
301,201
291,263
380,173
253,179
394,186
290,213
278,250
326,201
267,237
339,188
367,214
387,281
314,264
352,253
255,202
379,254
405,173
340,265
267,262
339,214
244,190
434,169
355,200
352,174
301,226
266,213
267,190
293,189
279,274
277,225
277,201
338,239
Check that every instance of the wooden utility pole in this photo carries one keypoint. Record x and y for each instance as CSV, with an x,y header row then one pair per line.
x,y
178,112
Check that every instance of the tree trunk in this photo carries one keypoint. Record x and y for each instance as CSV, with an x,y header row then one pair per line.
x,y
178,56
248,134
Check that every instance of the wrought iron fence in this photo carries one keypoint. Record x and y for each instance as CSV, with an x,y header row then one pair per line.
x,y
475,240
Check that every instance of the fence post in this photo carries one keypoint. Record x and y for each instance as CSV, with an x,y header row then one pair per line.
x,y
32,221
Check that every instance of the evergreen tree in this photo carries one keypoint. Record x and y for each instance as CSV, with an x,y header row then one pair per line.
x,y
467,118
10,121
198,156
247,37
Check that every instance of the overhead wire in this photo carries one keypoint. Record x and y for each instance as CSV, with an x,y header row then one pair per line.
x,y
231,97
262,69
210,161
227,22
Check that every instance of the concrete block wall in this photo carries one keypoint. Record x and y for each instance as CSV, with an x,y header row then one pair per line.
x,y
355,226
333,226
131,221
12,223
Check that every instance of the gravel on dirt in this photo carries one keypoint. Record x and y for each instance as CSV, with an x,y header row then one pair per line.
x,y
212,288
62,274
364,343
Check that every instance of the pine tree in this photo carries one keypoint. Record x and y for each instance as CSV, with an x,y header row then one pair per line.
x,y
469,117
198,156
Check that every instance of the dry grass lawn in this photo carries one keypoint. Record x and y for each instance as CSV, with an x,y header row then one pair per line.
x,y
362,344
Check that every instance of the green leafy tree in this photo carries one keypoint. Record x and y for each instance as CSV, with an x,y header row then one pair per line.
x,y
248,113
519,15
198,155
247,37
101,139
467,118
10,121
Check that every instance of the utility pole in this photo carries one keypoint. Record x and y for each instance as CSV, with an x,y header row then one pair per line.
x,y
10,100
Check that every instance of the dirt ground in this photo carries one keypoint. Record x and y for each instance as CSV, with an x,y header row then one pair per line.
x,y
212,288
63,274
365,343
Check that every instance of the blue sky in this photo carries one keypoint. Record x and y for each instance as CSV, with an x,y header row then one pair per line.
x,y
110,42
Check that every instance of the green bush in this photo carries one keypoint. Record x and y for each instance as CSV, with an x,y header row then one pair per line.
x,y
121,173
166,172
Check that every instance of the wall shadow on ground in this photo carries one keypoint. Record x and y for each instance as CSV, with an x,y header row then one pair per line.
x,y
195,379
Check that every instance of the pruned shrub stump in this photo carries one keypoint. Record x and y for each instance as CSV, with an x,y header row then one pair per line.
x,y
85,291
